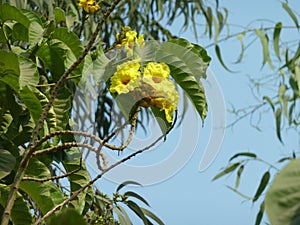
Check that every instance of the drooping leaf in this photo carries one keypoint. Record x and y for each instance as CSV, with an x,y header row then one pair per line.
x,y
152,216
9,12
278,123
238,177
291,13
137,210
135,195
7,163
122,215
20,214
227,170
276,35
122,185
262,186
29,75
282,202
219,55
246,154
239,193
269,100
265,45
260,214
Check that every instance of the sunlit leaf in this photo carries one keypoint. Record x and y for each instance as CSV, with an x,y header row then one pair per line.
x,y
291,13
265,45
68,216
227,170
8,12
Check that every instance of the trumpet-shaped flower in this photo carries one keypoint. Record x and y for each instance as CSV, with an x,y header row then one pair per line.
x,y
157,71
126,79
89,6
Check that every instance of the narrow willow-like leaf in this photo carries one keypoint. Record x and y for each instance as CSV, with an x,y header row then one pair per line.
x,y
291,13
135,195
7,163
269,100
276,36
125,215
20,214
219,55
282,198
262,186
278,123
152,216
265,45
121,217
246,154
122,185
227,170
240,38
260,214
137,210
238,177
239,193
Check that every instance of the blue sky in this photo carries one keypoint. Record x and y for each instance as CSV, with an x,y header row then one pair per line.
x,y
189,196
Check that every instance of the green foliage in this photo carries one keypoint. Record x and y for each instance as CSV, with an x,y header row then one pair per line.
x,y
282,199
44,57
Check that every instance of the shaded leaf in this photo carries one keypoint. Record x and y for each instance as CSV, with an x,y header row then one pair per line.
x,y
125,184
219,55
68,216
20,214
260,214
269,100
137,210
278,123
152,216
135,195
276,35
262,186
238,178
7,163
246,154
8,12
282,202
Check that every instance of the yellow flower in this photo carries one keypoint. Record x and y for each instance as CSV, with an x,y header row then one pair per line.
x,y
157,71
126,79
163,95
127,37
90,6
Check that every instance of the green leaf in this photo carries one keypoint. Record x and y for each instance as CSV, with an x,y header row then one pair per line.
x,y
7,163
5,121
161,119
46,195
59,15
137,210
239,193
269,100
260,214
282,200
262,186
20,214
278,123
246,154
276,35
227,170
68,216
265,45
9,63
29,75
70,39
238,178
219,55
8,12
35,33
32,103
78,179
152,216
240,38
135,195
123,218
125,184
291,13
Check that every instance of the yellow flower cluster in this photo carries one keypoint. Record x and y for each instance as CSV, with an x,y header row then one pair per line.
x,y
154,86
89,6
128,38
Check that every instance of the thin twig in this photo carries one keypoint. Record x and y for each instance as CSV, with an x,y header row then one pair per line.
x,y
75,194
